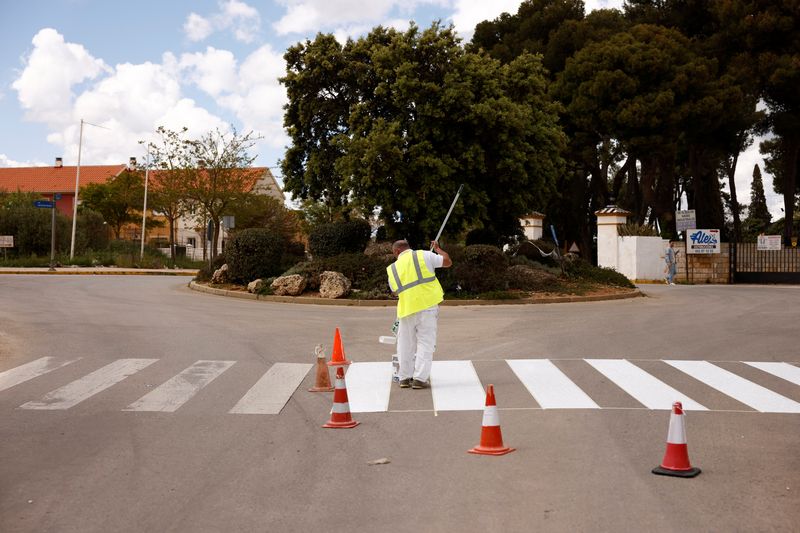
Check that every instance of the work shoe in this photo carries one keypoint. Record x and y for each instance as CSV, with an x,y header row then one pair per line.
x,y
417,384
405,383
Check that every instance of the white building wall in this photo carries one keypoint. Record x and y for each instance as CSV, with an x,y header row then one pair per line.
x,y
641,258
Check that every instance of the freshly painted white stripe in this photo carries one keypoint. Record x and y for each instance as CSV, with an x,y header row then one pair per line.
x,y
551,388
490,416
369,386
747,392
28,371
340,408
649,391
89,385
677,430
456,387
273,390
172,394
782,370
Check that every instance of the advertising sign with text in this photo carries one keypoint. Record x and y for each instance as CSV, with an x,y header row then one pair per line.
x,y
769,242
703,241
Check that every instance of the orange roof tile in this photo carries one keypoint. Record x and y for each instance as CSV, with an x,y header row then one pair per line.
x,y
54,179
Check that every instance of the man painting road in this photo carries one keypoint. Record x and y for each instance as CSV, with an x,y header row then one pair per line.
x,y
412,277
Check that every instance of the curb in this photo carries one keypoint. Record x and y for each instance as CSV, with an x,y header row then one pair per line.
x,y
635,293
76,272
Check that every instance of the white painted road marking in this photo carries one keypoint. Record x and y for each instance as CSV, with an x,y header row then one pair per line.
x,y
171,395
369,386
39,367
781,370
738,388
551,388
270,394
89,385
649,391
456,387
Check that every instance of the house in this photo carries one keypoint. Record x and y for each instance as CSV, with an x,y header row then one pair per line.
x,y
60,180
55,180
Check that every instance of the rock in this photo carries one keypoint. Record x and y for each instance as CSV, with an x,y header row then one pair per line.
x,y
529,278
293,285
220,275
255,286
333,285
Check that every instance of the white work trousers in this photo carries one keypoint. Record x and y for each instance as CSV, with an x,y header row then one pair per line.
x,y
416,342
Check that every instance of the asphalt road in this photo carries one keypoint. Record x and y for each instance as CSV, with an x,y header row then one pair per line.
x,y
96,467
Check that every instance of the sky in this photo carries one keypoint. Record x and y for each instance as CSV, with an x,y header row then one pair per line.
x,y
128,67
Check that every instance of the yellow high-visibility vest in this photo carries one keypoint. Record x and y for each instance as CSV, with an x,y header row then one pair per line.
x,y
416,286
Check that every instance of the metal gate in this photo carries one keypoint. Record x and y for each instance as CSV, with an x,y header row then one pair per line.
x,y
751,265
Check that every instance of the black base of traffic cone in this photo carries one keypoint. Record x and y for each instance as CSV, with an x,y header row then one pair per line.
x,y
661,471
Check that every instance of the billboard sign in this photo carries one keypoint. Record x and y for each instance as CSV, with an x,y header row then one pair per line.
x,y
685,220
703,241
769,242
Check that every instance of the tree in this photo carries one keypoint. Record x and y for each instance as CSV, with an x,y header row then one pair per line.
x,y
261,211
404,118
222,174
759,216
172,172
117,199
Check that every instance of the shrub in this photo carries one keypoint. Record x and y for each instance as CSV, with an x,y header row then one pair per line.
x,y
482,269
539,251
636,230
367,273
207,270
483,236
527,278
254,253
328,240
581,269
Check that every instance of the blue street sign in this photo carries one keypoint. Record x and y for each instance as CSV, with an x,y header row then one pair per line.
x,y
47,204
58,196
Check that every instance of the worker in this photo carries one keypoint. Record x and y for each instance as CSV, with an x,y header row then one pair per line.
x,y
412,278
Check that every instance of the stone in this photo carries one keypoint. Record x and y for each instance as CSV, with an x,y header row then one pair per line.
x,y
333,285
220,275
293,285
255,286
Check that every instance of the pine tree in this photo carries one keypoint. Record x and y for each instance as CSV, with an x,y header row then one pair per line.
x,y
759,215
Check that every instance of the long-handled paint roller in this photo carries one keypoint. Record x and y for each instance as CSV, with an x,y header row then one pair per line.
x,y
447,217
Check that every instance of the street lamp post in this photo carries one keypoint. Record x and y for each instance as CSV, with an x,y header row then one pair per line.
x,y
77,186
144,208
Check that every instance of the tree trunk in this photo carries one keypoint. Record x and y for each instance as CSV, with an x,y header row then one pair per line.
x,y
707,198
730,165
172,239
790,155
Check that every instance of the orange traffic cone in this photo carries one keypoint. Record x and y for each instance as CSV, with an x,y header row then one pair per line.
x,y
491,436
676,458
338,358
323,382
340,412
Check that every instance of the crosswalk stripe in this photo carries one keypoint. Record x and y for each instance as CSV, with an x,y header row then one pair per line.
x,y
549,386
172,394
369,386
270,394
646,389
84,388
455,387
749,393
781,370
28,371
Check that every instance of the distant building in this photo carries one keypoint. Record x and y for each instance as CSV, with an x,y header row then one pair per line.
x,y
60,179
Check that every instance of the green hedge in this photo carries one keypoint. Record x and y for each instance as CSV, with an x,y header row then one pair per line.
x,y
581,269
328,240
254,253
480,268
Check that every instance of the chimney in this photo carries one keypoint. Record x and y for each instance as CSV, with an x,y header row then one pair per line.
x,y
132,163
59,162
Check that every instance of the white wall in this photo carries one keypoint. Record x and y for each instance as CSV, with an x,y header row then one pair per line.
x,y
641,258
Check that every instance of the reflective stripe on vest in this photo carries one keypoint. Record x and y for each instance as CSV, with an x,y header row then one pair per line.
x,y
419,281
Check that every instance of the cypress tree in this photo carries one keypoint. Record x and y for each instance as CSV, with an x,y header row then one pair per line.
x,y
758,214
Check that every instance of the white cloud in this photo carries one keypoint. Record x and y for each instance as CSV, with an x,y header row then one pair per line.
x,y
240,18
54,67
6,162
128,102
251,91
197,28
591,5
469,13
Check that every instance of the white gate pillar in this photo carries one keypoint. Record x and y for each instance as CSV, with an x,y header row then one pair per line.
x,y
609,219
